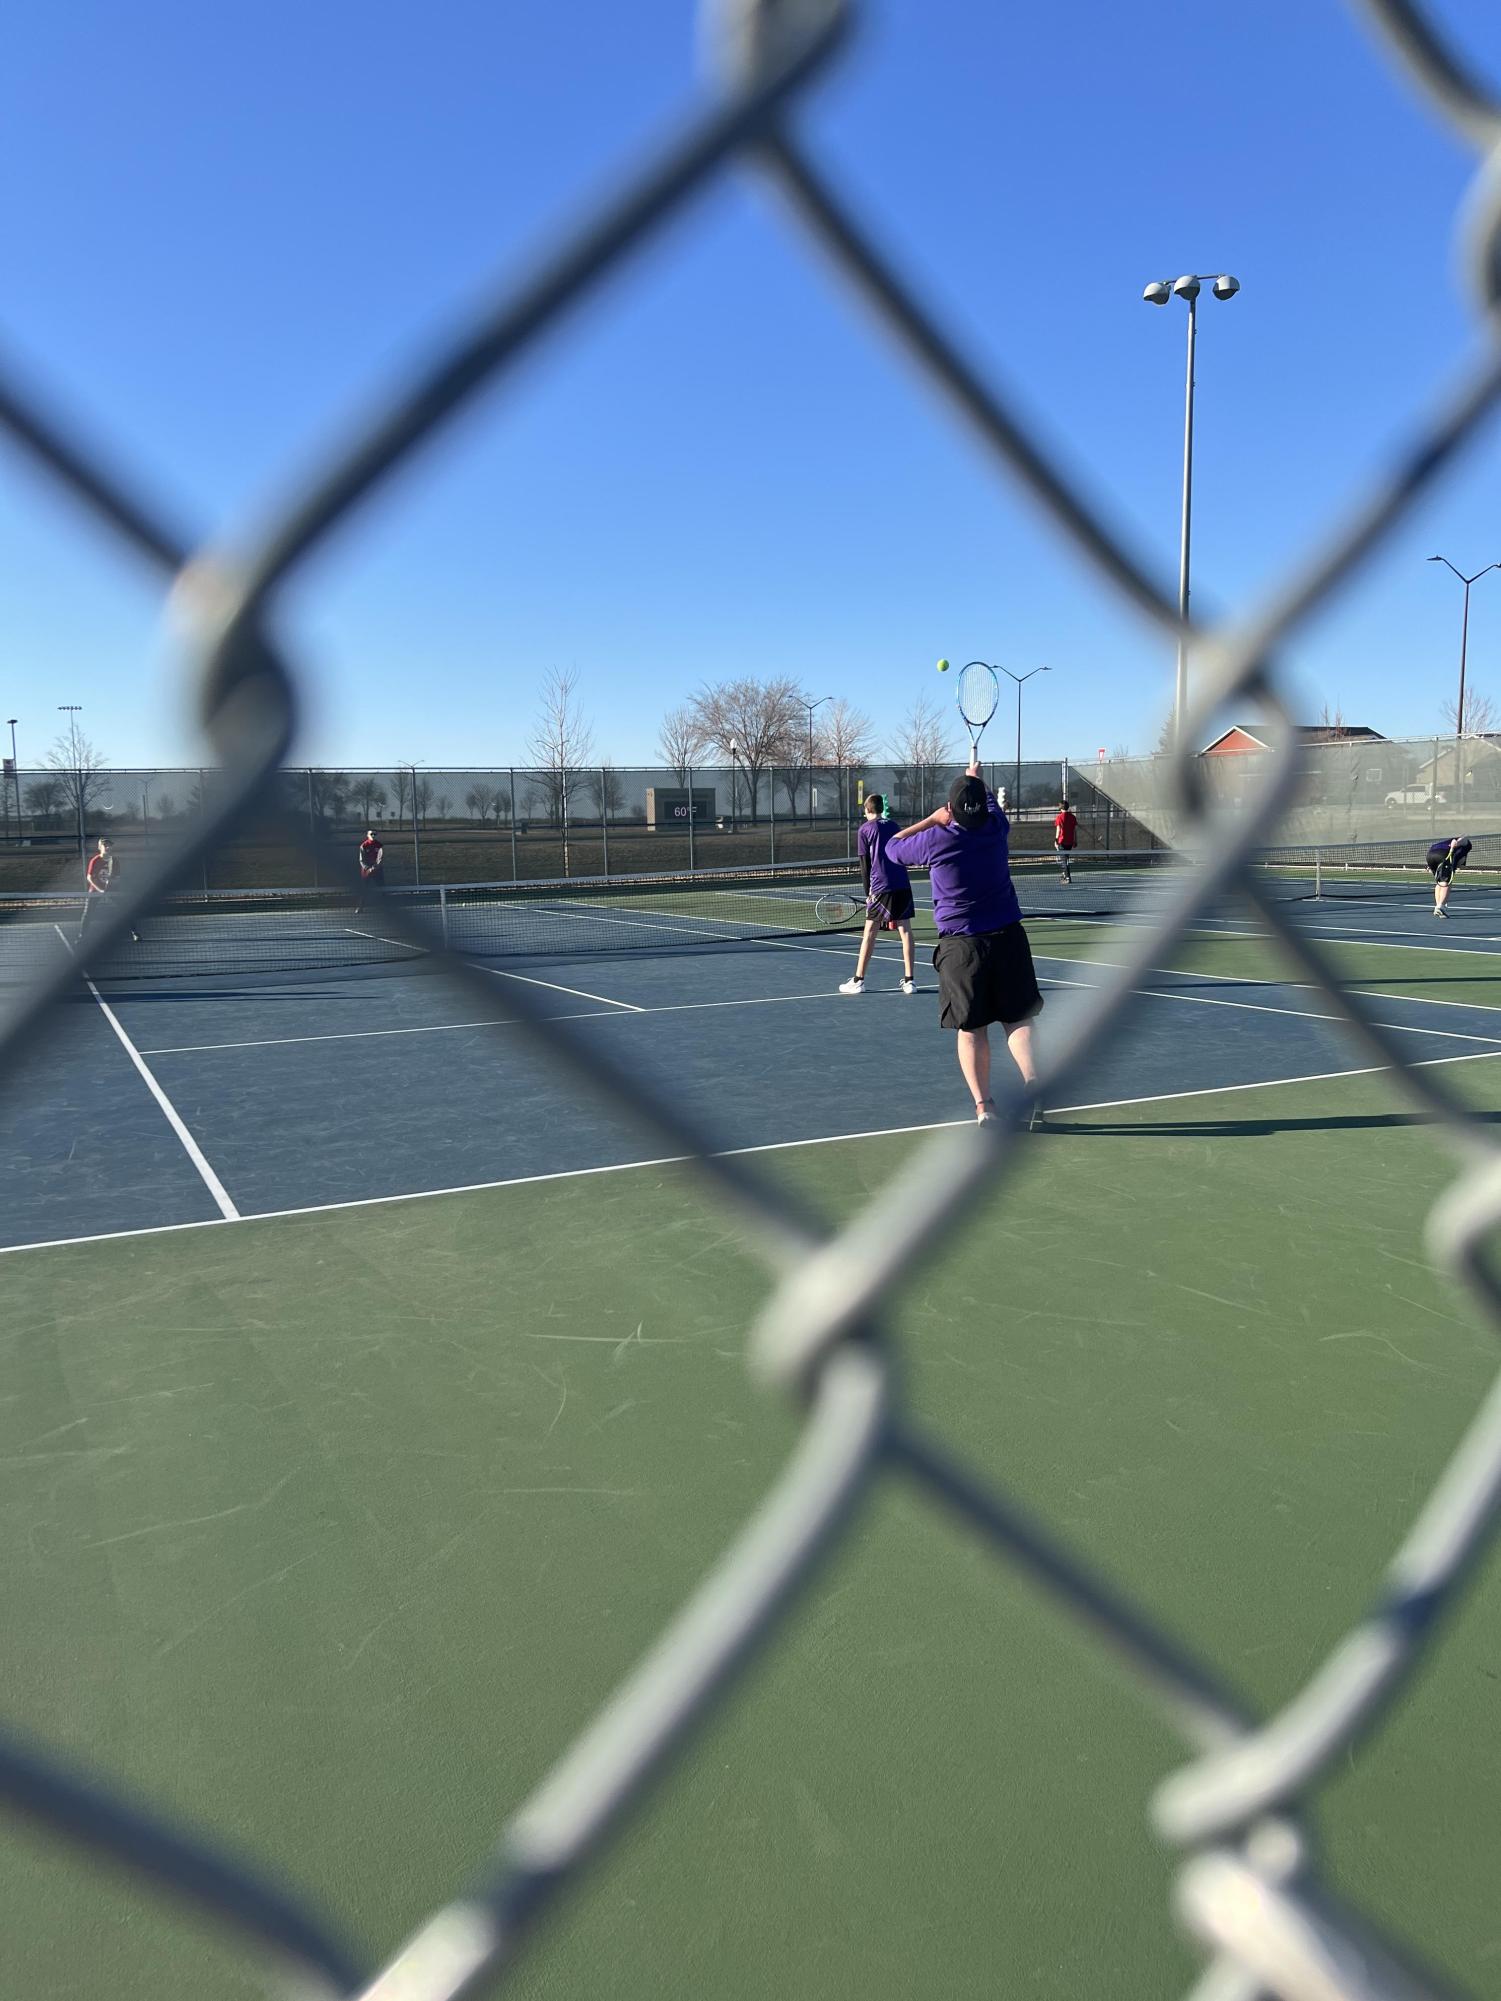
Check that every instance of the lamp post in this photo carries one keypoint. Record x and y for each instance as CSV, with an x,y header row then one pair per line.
x,y
1021,681
1157,294
803,702
15,774
76,709
1464,640
417,839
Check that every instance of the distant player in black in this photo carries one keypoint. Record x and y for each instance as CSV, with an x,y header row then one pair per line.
x,y
372,859
98,876
1444,857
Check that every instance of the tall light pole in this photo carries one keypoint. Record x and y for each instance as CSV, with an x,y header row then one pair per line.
x,y
1157,294
803,702
1021,681
1464,640
76,709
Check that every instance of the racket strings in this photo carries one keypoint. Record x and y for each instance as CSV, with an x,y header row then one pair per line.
x,y
979,692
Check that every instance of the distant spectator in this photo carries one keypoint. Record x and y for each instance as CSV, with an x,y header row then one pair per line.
x,y
1065,837
98,877
372,860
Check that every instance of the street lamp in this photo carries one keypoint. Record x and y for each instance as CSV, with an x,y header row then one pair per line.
x,y
1021,681
15,773
1464,640
735,782
76,709
1157,294
803,702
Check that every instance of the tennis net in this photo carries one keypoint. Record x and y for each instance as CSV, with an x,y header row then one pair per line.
x,y
224,933
1114,884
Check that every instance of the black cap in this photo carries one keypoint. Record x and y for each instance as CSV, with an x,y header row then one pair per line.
x,y
968,804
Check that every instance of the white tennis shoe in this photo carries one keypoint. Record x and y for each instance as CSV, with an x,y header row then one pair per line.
x,y
852,987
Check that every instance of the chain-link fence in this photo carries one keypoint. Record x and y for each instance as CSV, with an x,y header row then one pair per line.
x,y
505,823
1384,789
1248,1889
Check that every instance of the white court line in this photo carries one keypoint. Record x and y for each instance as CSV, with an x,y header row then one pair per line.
x,y
556,986
1248,1007
227,1210
731,1153
1261,937
582,1014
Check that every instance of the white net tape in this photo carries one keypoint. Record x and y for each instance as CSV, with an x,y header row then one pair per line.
x,y
1247,1889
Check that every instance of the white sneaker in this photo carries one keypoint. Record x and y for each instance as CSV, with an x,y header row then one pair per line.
x,y
908,987
852,987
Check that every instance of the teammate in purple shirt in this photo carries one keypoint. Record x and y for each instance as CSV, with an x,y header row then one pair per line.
x,y
888,893
1444,857
982,957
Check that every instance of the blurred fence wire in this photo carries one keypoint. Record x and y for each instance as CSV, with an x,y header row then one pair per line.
x,y
1248,1889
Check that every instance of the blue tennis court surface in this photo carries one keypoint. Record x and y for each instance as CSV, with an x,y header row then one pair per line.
x,y
183,1102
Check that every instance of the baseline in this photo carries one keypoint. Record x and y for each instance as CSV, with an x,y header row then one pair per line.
x,y
735,1153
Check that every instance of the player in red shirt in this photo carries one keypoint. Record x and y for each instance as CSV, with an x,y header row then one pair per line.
x,y
372,857
1065,834
98,876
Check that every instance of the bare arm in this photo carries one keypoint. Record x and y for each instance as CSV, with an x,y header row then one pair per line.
x,y
939,817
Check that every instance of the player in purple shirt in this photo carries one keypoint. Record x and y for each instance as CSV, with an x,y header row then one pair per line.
x,y
982,957
888,893
1444,857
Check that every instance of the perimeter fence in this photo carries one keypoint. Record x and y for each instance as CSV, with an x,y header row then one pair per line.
x,y
1250,1889
1387,789
505,823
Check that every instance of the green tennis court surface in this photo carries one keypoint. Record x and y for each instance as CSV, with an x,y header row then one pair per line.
x,y
328,1531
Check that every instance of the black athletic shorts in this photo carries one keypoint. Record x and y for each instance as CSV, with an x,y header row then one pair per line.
x,y
890,908
1442,867
985,979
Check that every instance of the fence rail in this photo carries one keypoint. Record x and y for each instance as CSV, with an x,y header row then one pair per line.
x,y
505,823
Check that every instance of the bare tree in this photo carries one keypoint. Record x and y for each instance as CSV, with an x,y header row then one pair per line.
x,y
80,771
444,805
753,720
846,738
328,794
367,793
401,785
484,802
44,798
422,797
560,743
680,741
604,786
1481,717
922,746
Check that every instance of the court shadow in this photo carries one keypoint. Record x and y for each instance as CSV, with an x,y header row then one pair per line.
x,y
1251,1128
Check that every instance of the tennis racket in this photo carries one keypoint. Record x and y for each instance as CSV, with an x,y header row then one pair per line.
x,y
837,909
979,692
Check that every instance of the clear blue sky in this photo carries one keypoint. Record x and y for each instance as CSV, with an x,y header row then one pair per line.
x,y
227,228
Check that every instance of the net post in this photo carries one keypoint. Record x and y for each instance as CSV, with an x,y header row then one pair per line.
x,y
1318,875
443,912
511,775
846,800
312,827
773,814
692,860
202,803
604,813
416,837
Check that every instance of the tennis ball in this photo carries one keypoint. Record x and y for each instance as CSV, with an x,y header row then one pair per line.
x,y
943,666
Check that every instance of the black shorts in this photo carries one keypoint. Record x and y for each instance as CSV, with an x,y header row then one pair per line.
x,y
1442,868
889,908
985,979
